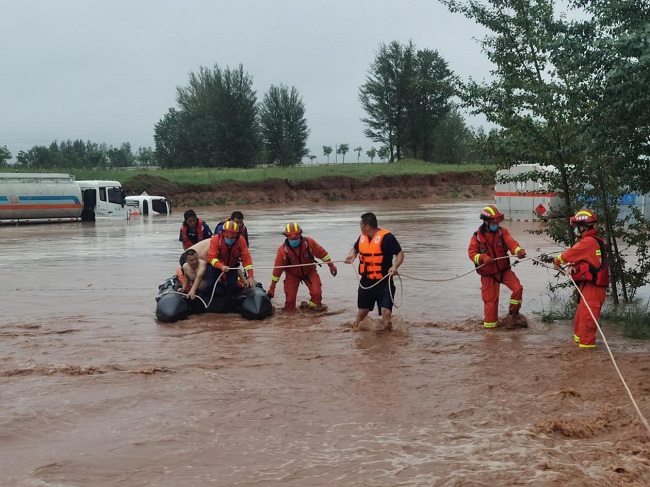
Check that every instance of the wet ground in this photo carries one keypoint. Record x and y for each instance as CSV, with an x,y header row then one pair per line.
x,y
95,393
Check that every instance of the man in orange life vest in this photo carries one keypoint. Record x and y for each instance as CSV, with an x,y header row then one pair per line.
x,y
375,248
488,248
297,250
226,251
193,230
590,270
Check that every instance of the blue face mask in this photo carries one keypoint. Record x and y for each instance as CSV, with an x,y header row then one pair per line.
x,y
494,228
230,241
294,243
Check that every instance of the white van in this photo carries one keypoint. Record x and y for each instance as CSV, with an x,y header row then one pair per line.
x,y
146,204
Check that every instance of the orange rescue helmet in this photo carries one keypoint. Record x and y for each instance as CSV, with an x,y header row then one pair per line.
x,y
230,229
292,230
583,217
492,214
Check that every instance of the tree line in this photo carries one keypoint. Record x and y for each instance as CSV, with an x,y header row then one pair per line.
x,y
218,121
77,153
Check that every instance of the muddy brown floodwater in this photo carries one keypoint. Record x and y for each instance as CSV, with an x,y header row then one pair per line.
x,y
93,392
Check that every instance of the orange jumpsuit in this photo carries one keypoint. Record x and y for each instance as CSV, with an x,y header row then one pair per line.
x,y
495,244
221,254
587,250
303,254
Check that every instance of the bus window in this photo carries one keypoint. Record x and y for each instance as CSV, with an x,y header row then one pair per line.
x,y
102,194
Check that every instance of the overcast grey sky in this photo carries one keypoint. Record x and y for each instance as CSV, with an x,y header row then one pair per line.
x,y
107,71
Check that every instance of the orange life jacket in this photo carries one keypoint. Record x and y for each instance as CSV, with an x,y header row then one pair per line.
x,y
498,249
228,255
584,271
370,255
198,233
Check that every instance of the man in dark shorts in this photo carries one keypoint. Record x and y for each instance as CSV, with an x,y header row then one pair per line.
x,y
375,248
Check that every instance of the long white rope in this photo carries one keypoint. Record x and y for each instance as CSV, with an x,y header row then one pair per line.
x,y
609,350
600,330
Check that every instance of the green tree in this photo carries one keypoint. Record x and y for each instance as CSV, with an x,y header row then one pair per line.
x,y
343,149
121,156
283,126
327,150
358,151
215,123
145,156
383,152
311,158
172,147
5,155
371,153
451,139
405,95
560,95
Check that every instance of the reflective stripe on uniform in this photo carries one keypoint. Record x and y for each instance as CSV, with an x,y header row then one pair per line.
x,y
490,325
586,346
477,259
214,262
515,301
275,279
559,258
517,249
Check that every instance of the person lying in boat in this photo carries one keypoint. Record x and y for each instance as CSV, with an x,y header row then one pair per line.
x,y
193,272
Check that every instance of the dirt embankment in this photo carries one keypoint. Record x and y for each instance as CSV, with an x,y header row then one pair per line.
x,y
331,188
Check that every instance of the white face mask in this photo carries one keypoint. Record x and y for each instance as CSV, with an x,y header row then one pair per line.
x,y
576,231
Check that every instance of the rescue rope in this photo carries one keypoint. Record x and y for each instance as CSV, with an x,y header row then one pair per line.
x,y
456,277
256,268
609,350
214,288
390,289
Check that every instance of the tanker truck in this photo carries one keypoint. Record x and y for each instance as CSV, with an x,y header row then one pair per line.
x,y
31,198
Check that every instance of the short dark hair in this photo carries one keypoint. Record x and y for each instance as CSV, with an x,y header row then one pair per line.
x,y
237,214
369,219
189,214
189,252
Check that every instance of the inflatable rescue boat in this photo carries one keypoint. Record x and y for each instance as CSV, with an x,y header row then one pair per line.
x,y
253,303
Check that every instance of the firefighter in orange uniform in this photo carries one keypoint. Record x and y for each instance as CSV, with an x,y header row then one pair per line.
x,y
297,250
488,243
589,268
227,250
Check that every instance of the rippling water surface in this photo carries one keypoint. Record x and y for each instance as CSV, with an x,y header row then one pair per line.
x,y
93,392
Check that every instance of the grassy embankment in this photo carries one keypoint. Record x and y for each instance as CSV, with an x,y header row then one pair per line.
x,y
206,175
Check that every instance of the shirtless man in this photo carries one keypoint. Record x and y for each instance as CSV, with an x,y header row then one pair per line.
x,y
194,270
201,249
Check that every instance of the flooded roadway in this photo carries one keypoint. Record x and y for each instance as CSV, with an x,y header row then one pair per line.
x,y
95,393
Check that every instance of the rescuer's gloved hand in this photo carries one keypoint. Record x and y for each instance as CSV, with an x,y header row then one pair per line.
x,y
332,269
271,291
486,259
521,253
